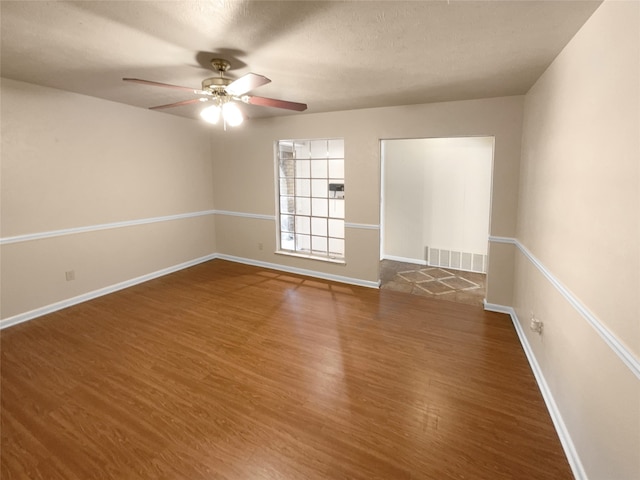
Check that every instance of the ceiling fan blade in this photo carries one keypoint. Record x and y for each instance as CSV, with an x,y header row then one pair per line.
x,y
178,104
166,85
246,83
272,102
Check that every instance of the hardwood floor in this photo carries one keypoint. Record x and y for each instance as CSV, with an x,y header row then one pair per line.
x,y
227,371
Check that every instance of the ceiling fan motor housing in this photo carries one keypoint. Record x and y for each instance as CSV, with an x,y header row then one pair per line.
x,y
215,84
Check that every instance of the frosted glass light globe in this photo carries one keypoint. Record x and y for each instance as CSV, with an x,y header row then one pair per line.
x,y
232,114
211,114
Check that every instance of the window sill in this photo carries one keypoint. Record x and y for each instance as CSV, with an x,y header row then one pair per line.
x,y
339,261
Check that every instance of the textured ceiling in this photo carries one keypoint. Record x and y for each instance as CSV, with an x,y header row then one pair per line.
x,y
331,55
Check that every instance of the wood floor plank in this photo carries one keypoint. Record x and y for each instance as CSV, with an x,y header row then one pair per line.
x,y
228,371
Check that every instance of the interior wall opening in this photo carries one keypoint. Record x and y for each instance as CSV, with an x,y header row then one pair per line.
x,y
435,214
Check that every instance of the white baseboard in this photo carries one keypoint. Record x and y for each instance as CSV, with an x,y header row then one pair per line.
x,y
415,261
565,438
54,307
300,271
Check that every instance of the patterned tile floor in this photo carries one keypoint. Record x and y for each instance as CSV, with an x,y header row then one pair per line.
x,y
436,282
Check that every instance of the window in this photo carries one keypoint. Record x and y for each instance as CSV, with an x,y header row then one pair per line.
x,y
311,197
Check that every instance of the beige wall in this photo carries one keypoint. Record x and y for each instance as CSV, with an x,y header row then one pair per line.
x,y
244,174
71,161
579,213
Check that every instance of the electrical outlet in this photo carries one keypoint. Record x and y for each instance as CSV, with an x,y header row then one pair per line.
x,y
260,246
536,325
70,275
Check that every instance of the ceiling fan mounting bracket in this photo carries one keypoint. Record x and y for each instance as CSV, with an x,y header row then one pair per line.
x,y
220,64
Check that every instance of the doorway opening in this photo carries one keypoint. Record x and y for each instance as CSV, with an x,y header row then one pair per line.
x,y
435,214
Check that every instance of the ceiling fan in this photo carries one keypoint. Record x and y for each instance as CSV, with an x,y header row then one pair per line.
x,y
224,92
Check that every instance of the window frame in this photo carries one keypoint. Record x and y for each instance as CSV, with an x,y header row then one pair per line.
x,y
312,183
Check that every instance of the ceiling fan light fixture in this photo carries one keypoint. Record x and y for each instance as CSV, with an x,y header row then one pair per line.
x,y
232,114
211,114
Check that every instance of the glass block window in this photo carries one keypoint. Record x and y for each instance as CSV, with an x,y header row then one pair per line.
x,y
311,197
